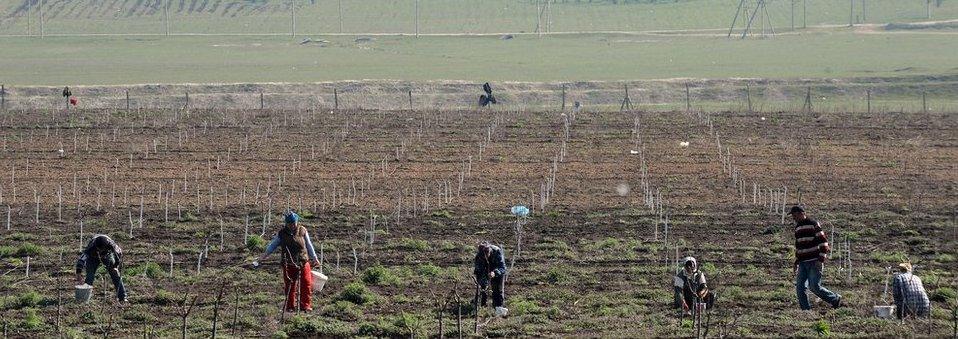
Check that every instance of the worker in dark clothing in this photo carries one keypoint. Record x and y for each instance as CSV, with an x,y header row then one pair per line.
x,y
487,99
102,250
490,269
690,287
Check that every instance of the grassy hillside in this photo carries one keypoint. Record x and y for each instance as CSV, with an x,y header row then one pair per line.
x,y
436,16
100,60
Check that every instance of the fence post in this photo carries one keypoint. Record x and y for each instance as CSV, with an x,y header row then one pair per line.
x,y
262,101
187,99
688,99
924,102
748,97
3,97
335,98
868,99
410,98
563,97
127,100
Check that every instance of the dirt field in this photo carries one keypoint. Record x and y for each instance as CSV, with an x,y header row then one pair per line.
x,y
408,193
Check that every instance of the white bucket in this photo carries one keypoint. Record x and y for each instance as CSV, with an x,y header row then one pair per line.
x,y
885,312
319,280
501,311
83,293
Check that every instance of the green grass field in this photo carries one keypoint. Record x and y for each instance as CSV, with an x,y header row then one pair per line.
x,y
117,60
436,16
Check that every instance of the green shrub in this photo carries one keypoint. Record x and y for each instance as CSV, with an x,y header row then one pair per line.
x,y
306,214
151,269
255,243
822,328
557,275
300,326
944,294
164,297
343,310
408,326
189,217
29,299
428,270
7,251
31,320
521,307
29,249
357,293
441,214
409,244
379,275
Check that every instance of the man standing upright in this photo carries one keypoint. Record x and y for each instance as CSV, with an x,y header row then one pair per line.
x,y
811,251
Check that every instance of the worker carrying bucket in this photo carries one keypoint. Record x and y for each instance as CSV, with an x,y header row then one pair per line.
x,y
100,250
297,252
490,271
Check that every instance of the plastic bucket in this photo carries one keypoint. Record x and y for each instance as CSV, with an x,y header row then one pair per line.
x,y
319,280
885,312
83,293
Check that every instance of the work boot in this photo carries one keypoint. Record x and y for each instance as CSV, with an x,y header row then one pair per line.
x,y
838,303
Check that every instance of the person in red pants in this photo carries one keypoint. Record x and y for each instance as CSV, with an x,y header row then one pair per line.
x,y
297,252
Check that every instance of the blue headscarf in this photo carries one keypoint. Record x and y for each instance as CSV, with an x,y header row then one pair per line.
x,y
291,218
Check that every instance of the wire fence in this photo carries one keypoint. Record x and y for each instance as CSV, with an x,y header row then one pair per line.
x,y
312,17
664,95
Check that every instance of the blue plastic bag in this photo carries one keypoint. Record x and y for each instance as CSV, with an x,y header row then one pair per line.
x,y
520,211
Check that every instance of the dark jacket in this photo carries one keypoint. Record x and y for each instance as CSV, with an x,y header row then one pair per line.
x,y
495,263
103,249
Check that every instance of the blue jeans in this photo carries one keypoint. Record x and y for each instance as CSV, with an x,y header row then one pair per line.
x,y
811,271
93,263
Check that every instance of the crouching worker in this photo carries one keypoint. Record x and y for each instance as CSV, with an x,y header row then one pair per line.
x,y
690,287
102,250
909,293
297,251
490,269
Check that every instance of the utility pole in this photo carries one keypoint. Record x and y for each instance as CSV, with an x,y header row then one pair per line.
x,y
538,20
292,18
417,18
29,9
928,9
851,13
41,19
166,11
804,13
793,14
863,11
340,16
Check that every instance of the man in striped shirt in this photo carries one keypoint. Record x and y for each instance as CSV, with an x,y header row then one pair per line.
x,y
811,251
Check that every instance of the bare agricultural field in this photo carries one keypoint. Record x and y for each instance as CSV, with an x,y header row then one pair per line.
x,y
398,199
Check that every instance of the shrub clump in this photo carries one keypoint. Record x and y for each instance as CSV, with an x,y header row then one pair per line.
x,y
300,326
343,310
255,243
357,293
379,275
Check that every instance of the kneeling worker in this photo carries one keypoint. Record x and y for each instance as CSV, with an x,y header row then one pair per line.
x,y
690,287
